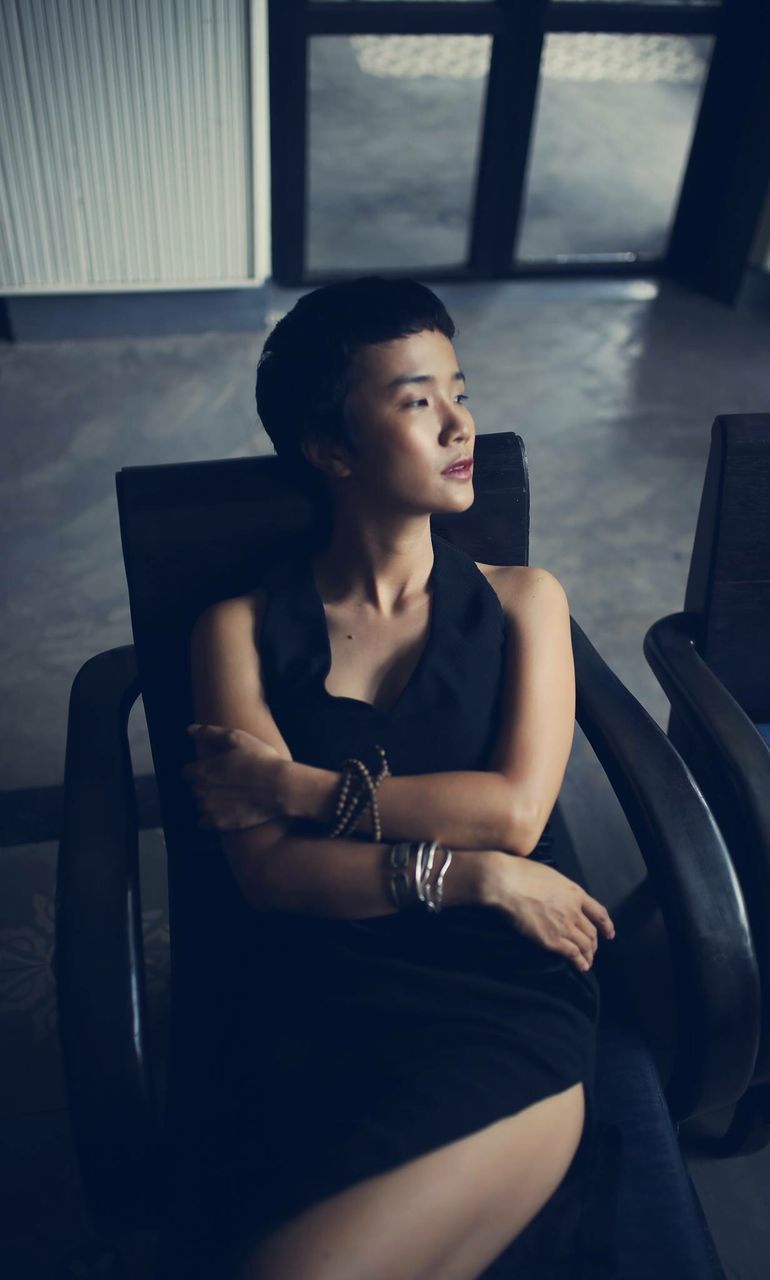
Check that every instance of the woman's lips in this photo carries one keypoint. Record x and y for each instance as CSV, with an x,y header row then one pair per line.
x,y
460,473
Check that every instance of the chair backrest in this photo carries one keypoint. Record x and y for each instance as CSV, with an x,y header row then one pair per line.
x,y
197,532
728,588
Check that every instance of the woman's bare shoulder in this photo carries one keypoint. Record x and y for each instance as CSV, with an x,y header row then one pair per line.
x,y
236,613
513,582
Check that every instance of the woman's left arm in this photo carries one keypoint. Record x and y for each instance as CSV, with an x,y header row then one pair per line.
x,y
507,806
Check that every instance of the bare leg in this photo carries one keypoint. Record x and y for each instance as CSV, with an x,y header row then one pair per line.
x,y
447,1214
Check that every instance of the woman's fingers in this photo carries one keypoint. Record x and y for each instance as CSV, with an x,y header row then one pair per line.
x,y
593,916
599,915
210,731
588,940
553,910
575,953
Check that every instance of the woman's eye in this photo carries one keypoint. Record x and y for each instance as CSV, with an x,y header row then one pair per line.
x,y
411,404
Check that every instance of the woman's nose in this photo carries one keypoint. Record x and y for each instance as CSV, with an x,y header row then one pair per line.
x,y
460,427
457,418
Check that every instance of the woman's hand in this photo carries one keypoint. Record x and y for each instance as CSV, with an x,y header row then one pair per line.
x,y
238,781
549,908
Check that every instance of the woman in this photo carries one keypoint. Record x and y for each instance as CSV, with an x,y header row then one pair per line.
x,y
421,1081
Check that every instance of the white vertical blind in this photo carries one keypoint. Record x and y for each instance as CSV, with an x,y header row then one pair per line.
x,y
133,144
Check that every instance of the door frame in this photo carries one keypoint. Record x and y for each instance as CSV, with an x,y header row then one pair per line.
x,y
725,180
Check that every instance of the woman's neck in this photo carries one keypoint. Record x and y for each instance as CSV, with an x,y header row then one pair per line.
x,y
387,568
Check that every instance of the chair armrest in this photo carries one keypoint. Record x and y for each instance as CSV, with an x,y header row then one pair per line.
x,y
717,993
711,713
98,959
732,766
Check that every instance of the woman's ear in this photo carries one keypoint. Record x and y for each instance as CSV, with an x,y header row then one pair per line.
x,y
330,457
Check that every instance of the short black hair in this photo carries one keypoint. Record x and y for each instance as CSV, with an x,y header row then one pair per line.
x,y
305,369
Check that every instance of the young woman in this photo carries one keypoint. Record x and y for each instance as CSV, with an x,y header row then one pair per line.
x,y
420,1081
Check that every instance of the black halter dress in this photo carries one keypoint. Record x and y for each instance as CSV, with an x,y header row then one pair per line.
x,y
375,1041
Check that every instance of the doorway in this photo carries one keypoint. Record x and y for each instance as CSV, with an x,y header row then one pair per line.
x,y
467,139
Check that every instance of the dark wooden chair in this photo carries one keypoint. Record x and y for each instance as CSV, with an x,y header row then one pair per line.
x,y
196,532
713,661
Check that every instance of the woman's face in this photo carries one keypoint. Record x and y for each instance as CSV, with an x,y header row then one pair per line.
x,y
408,417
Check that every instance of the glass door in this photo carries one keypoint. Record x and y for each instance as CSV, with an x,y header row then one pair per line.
x,y
613,127
483,140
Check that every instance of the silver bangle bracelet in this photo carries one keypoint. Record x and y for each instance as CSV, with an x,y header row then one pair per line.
x,y
407,891
424,869
436,904
399,880
420,847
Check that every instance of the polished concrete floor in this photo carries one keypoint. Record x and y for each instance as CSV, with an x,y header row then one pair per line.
x,y
614,388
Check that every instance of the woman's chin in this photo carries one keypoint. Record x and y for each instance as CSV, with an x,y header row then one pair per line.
x,y
460,496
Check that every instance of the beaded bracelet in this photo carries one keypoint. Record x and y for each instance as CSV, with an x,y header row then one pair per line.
x,y
352,800
349,814
372,801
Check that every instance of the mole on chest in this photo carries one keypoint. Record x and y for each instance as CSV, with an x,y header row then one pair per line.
x,y
373,663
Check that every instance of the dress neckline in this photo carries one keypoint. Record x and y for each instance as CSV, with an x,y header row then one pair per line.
x,y
324,642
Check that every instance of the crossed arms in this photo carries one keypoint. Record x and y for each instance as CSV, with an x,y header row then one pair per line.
x,y
503,808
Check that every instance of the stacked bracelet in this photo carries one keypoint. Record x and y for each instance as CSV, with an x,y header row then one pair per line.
x,y
420,887
358,790
418,868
